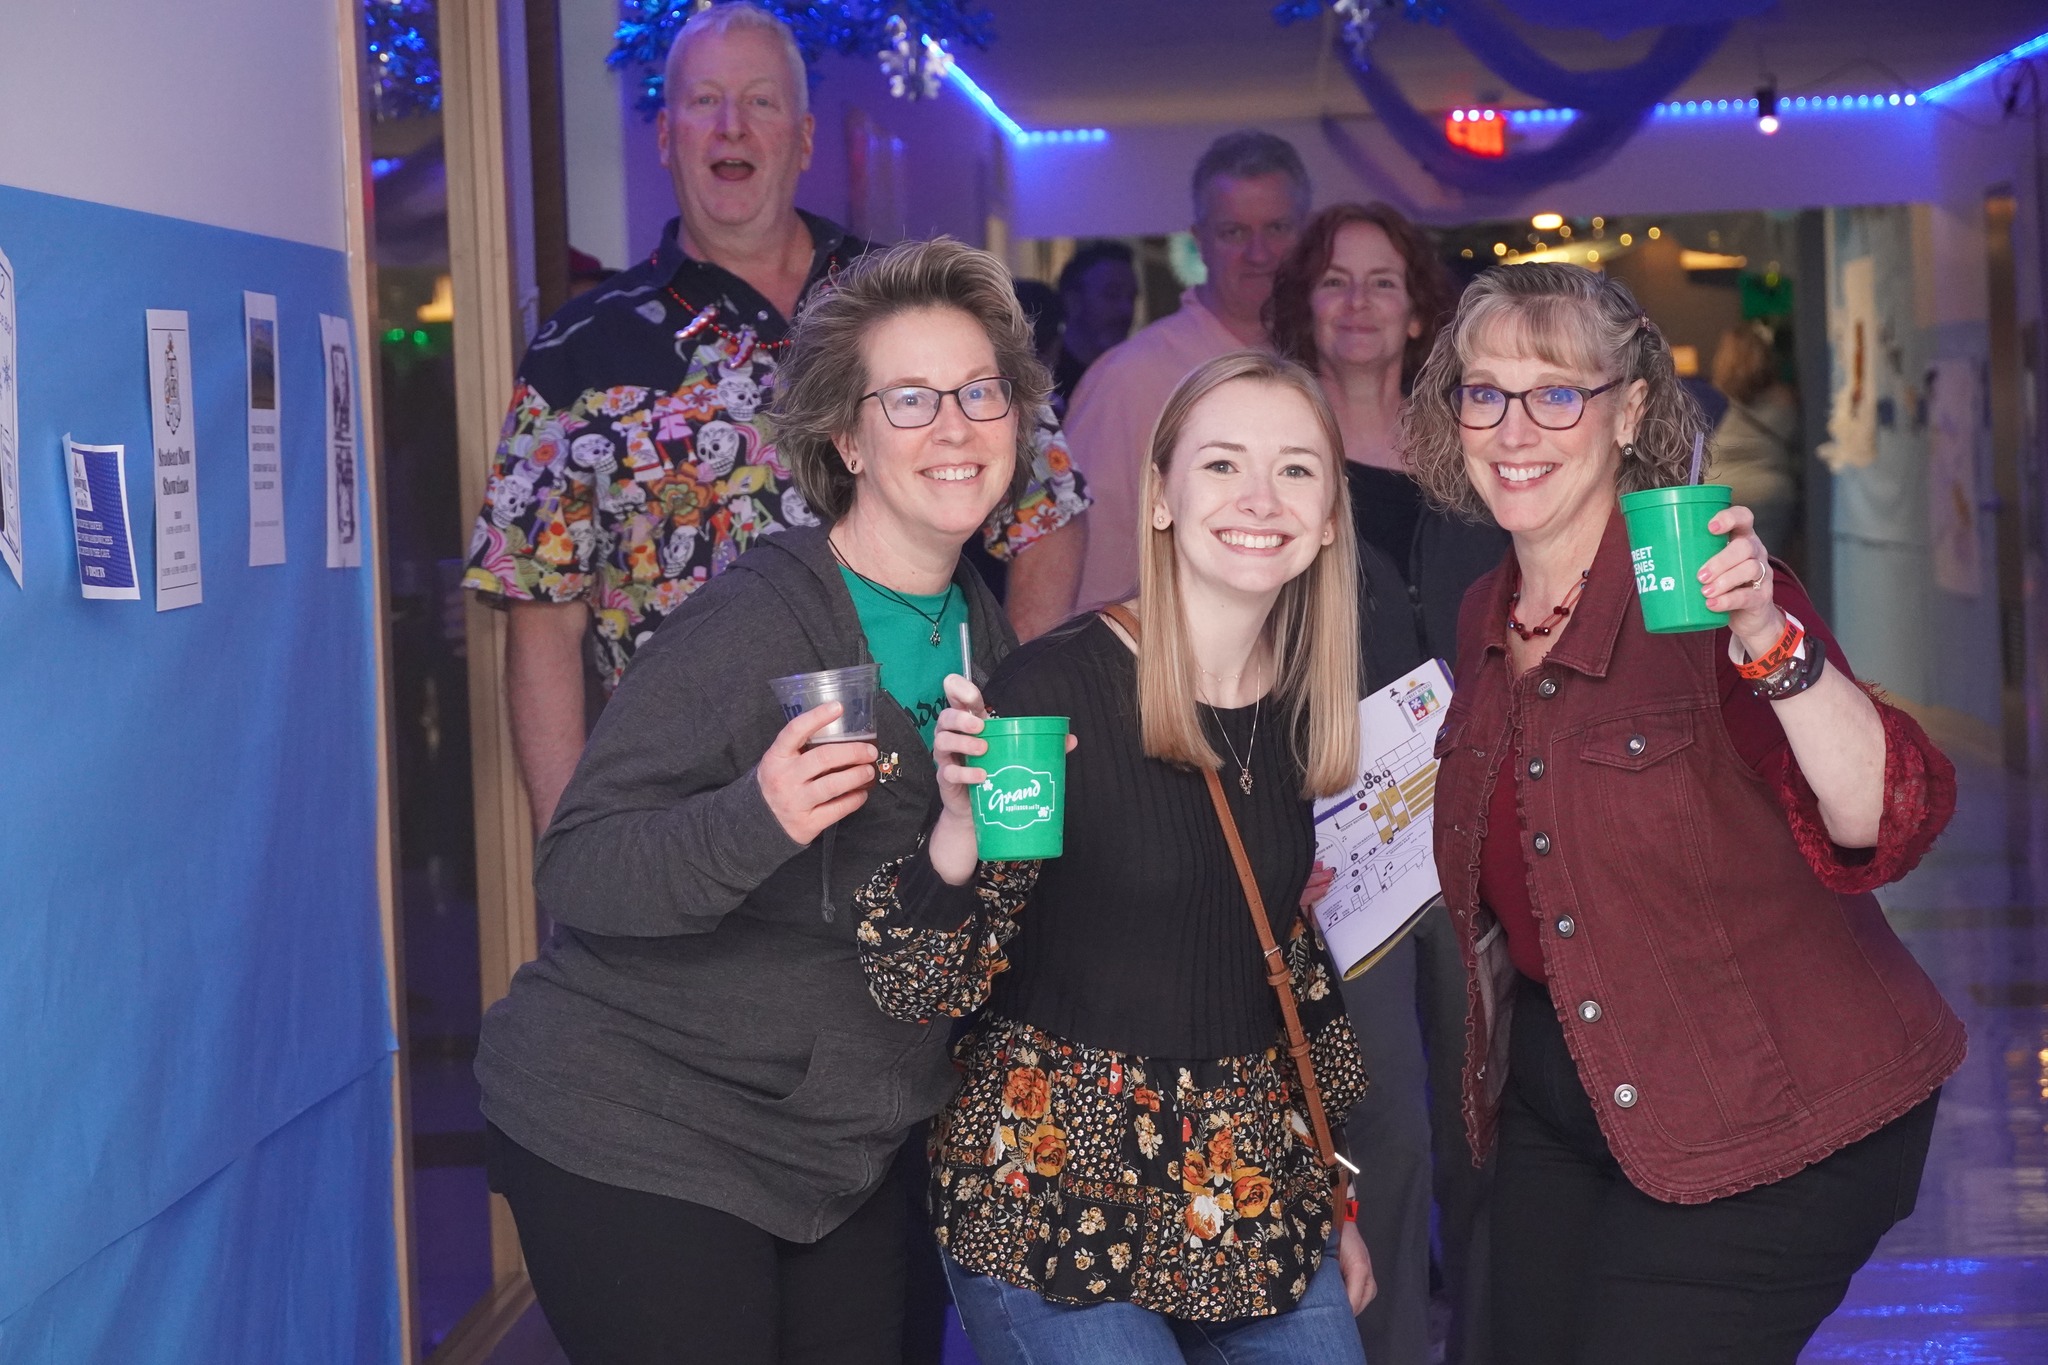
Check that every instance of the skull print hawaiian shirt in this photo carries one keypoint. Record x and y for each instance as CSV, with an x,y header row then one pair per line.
x,y
638,459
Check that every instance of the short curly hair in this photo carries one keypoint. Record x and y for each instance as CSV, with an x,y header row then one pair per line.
x,y
819,386
1570,317
1290,319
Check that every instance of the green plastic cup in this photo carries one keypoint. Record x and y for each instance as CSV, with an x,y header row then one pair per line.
x,y
1020,810
1669,544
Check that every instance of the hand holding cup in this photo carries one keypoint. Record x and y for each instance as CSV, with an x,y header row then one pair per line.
x,y
808,790
1738,580
956,743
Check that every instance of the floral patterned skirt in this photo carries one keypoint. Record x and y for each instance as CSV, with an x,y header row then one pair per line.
x,y
1190,1188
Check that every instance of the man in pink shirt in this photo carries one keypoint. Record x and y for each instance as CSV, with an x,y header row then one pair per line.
x,y
1251,198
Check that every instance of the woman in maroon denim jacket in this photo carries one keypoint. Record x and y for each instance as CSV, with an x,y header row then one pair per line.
x,y
1710,1065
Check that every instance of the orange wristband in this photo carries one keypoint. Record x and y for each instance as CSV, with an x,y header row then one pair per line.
x,y
1777,655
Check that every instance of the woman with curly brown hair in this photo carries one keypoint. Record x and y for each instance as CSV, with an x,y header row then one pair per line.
x,y
1358,302
1710,1065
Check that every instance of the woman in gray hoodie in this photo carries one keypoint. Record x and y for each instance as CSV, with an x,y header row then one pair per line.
x,y
693,1100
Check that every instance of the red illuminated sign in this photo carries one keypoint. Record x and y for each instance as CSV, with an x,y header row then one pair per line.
x,y
1482,132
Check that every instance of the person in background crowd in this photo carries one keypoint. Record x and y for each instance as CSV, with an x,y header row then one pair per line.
x,y
1251,196
694,1104
1755,447
1099,295
1358,302
1042,308
638,460
1130,1173
1721,1073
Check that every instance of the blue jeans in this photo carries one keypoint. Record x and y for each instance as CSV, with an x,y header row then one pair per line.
x,y
1013,1326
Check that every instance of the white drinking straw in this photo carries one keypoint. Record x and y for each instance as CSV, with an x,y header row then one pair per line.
x,y
966,654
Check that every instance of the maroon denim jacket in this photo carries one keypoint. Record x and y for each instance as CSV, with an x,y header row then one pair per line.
x,y
1732,1018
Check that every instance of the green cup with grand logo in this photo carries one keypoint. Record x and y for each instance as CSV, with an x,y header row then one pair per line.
x,y
1669,544
1020,810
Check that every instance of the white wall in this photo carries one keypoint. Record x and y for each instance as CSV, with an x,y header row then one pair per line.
x,y
594,131
145,126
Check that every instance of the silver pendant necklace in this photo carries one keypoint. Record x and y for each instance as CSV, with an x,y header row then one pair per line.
x,y
1244,765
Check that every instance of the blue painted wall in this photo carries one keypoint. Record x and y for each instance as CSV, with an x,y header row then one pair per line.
x,y
195,1142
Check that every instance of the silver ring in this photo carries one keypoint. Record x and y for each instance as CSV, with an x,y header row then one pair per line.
x,y
1763,572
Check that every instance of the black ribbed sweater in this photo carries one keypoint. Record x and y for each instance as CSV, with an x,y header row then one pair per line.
x,y
1137,939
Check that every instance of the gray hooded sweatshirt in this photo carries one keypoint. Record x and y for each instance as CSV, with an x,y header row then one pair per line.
x,y
699,1025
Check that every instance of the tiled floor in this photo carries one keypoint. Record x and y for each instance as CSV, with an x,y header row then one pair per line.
x,y
1964,1281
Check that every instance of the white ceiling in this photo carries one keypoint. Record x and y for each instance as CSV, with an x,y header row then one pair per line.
x,y
1067,63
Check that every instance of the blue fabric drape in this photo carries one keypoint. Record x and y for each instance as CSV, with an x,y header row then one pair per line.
x,y
1610,104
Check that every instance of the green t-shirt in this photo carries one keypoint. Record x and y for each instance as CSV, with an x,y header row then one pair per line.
x,y
913,668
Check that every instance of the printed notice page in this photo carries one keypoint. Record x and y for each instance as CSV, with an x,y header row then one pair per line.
x,y
266,464
344,526
1377,834
177,473
99,519
10,428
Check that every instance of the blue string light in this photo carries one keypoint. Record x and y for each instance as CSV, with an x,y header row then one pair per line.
x,y
2030,48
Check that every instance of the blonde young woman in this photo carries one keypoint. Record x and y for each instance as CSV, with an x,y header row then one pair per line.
x,y
1126,1173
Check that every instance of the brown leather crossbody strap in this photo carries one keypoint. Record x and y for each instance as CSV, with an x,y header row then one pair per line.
x,y
1277,975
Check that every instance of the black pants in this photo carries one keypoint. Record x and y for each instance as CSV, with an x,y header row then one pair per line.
x,y
628,1278
1588,1270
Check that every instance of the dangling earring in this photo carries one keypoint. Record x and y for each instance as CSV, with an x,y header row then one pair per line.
x,y
852,465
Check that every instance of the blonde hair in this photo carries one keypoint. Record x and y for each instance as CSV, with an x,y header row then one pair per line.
x,y
1743,364
1313,626
1570,317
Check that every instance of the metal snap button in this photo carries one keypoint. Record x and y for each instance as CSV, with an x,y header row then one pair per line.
x,y
1547,688
1636,744
1566,926
1542,842
1589,1010
1625,1096
1535,768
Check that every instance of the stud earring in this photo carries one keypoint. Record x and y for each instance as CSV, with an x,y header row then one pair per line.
x,y
1629,451
853,466
1161,519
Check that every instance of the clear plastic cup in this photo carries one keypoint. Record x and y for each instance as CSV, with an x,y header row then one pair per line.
x,y
853,688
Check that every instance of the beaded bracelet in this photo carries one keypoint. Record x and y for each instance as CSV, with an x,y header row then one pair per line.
x,y
1795,676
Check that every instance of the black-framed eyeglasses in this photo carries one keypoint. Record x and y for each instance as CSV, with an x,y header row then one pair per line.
x,y
914,405
1554,407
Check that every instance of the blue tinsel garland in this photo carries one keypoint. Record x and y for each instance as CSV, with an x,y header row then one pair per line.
x,y
405,61
855,28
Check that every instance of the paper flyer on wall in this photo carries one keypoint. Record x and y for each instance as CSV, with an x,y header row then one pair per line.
x,y
1377,834
344,525
266,465
10,427
99,521
178,582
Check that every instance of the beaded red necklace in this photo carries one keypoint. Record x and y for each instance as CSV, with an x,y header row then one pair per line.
x,y
1557,615
706,319
744,341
